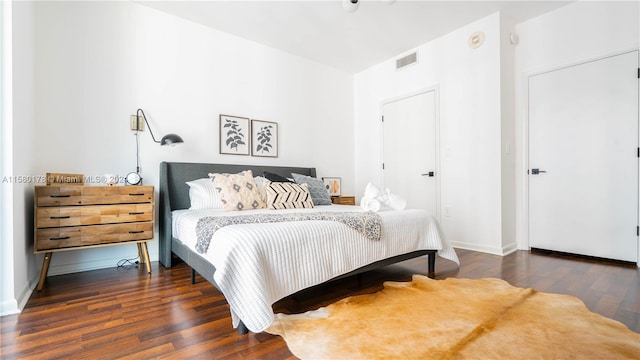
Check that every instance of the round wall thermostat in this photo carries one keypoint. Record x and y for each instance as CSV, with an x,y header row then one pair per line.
x,y
476,39
133,178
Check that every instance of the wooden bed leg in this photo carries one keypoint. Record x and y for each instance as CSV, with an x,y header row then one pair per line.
x,y
193,276
432,264
242,329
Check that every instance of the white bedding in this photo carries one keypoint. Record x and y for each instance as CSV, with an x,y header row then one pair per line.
x,y
259,264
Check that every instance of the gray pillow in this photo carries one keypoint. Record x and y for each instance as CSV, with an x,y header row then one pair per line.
x,y
319,193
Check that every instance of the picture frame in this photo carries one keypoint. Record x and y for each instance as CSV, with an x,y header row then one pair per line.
x,y
234,135
264,138
333,185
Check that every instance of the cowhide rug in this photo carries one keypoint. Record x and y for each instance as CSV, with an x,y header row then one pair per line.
x,y
459,319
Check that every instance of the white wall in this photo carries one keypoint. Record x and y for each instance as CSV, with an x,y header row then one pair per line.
x,y
18,162
469,81
97,62
572,34
8,303
508,41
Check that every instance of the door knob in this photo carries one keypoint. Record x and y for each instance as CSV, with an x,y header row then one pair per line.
x,y
430,174
537,171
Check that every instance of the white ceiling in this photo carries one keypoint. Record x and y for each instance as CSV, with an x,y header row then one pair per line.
x,y
322,31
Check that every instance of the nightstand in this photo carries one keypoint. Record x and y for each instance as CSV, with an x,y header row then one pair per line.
x,y
82,217
343,200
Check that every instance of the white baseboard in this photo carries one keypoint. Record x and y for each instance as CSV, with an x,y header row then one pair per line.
x,y
511,248
25,294
16,305
502,251
93,264
9,307
62,269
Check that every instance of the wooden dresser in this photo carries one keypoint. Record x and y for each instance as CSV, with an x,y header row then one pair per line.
x,y
81,217
344,200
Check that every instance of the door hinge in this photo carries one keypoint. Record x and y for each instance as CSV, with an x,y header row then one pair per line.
x,y
638,73
639,152
383,116
382,166
637,230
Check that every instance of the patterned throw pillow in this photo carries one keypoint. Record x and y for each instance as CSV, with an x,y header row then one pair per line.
x,y
238,191
319,193
288,195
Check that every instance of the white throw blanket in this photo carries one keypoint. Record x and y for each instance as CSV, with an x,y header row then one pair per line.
x,y
375,199
367,223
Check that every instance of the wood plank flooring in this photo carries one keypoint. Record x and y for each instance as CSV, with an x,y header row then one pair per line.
x,y
125,314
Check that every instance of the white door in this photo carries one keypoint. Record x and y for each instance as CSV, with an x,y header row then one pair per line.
x,y
583,158
410,150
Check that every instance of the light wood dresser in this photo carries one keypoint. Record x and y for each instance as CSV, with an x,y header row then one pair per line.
x,y
81,217
344,200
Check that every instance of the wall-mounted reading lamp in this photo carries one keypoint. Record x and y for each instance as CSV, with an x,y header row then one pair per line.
x,y
350,5
353,5
134,178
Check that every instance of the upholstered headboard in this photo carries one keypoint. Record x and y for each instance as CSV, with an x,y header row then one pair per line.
x,y
174,192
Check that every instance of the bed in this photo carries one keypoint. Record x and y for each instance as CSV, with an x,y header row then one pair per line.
x,y
335,251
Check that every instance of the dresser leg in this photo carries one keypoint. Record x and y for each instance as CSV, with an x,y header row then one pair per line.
x,y
145,253
45,270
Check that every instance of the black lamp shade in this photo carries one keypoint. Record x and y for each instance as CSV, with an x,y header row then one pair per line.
x,y
171,139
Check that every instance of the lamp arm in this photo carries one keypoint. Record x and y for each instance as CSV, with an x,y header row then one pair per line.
x,y
140,111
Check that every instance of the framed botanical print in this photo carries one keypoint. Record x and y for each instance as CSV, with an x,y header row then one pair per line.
x,y
264,138
234,135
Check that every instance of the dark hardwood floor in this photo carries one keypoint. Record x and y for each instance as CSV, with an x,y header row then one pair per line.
x,y
125,314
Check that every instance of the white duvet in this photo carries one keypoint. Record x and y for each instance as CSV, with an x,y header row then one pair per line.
x,y
259,264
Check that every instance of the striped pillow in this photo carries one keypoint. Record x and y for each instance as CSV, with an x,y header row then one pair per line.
x,y
281,195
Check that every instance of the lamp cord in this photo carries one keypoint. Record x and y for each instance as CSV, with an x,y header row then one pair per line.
x,y
137,134
127,264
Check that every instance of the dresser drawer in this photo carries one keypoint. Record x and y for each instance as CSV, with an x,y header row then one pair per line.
x,y
92,195
47,217
59,238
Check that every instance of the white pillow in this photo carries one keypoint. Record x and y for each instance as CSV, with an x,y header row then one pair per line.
x,y
203,195
261,183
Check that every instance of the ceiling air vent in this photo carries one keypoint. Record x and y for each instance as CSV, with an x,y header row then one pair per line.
x,y
406,60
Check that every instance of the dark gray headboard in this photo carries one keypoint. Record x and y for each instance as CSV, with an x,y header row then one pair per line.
x,y
174,192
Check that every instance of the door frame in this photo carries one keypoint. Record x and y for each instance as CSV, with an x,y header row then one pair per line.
x,y
436,90
522,186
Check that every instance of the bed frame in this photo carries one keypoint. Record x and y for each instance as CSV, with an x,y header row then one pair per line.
x,y
174,195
